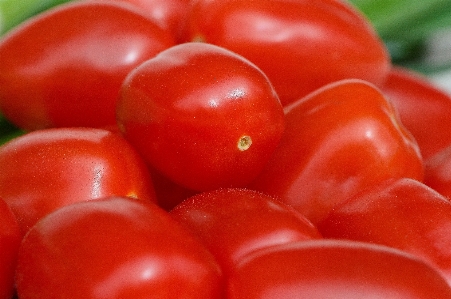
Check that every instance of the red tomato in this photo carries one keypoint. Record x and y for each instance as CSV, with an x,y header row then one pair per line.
x,y
330,269
116,248
423,109
404,214
46,169
65,67
438,172
169,14
10,237
338,141
301,45
231,223
202,116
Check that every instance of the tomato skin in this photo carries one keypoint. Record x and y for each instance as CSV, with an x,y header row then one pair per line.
x,y
419,221
169,14
199,115
327,269
422,108
338,141
437,172
58,71
114,248
46,169
232,223
10,238
300,45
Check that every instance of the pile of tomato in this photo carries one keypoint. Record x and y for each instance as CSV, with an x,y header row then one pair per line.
x,y
219,149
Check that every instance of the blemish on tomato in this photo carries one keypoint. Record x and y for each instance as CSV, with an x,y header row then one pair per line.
x,y
244,143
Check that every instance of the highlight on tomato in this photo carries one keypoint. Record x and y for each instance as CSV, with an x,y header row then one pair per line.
x,y
114,248
300,45
46,169
64,67
201,115
338,141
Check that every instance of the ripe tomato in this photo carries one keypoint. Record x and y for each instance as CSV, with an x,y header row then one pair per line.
x,y
403,214
115,248
46,169
338,141
231,223
169,14
65,67
330,269
423,109
201,115
10,237
300,45
438,172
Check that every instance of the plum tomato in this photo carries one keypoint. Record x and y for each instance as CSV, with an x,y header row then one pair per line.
x,y
330,269
10,238
437,172
300,45
201,115
338,141
115,248
64,67
233,222
46,169
404,214
168,14
423,109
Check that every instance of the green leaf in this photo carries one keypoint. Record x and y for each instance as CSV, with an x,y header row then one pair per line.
x,y
14,12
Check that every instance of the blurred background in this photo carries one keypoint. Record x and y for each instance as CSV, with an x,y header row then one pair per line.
x,y
417,34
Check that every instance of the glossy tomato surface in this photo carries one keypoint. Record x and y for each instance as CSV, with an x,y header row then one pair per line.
x,y
338,141
330,269
10,238
301,45
201,115
65,67
116,248
46,169
403,214
423,109
235,222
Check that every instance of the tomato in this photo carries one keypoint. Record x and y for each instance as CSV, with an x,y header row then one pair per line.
x,y
10,238
329,269
300,45
46,169
65,66
169,14
234,222
423,109
201,115
338,141
114,248
437,172
404,214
